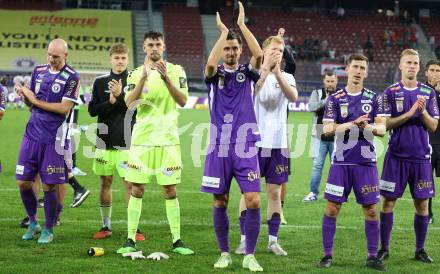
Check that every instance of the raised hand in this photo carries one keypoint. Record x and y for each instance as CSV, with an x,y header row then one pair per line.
x,y
115,87
241,16
221,27
422,104
413,109
25,93
162,69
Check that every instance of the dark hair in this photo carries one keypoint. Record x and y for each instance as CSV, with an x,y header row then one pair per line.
x,y
432,62
328,72
234,36
155,35
357,57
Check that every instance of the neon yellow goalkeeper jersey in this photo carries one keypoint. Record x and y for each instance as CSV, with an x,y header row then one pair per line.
x,y
156,119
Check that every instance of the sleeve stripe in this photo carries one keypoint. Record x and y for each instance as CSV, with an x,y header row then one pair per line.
x,y
70,99
383,115
328,120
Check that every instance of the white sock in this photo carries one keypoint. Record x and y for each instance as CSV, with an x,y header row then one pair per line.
x,y
106,215
273,239
243,238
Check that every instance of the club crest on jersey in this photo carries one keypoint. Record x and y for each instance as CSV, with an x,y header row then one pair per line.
x,y
399,104
344,111
240,77
56,88
366,108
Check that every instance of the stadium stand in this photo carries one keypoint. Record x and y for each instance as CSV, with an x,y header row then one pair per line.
x,y
184,38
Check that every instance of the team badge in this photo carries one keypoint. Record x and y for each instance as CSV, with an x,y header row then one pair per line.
x,y
56,88
399,104
240,77
277,86
366,108
344,111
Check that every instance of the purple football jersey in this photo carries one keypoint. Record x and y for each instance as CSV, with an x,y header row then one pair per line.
x,y
410,141
52,87
354,147
3,93
231,105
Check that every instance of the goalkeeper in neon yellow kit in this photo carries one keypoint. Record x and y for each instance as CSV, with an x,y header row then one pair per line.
x,y
155,89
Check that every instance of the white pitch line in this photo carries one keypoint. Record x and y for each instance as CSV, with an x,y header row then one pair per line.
x,y
209,225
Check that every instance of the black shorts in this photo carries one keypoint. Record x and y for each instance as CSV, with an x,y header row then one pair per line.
x,y
435,159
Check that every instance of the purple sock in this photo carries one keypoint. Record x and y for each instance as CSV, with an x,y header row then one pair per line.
x,y
59,209
274,224
221,228
328,234
30,203
386,226
242,219
50,208
421,228
252,229
372,234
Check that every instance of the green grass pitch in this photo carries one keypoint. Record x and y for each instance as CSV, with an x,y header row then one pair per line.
x,y
301,238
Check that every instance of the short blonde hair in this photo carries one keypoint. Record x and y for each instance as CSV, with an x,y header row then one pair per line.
x,y
275,38
406,52
118,48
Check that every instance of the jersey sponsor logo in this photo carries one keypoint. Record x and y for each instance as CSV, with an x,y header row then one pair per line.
x,y
182,82
425,90
101,161
344,110
399,104
133,166
56,88
367,189
280,169
37,85
334,190
212,182
71,87
330,109
221,81
170,170
422,184
423,96
65,75
387,186
366,108
368,94
60,81
54,169
19,169
240,77
253,176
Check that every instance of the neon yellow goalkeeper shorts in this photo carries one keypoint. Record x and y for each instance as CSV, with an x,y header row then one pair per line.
x,y
107,162
163,164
